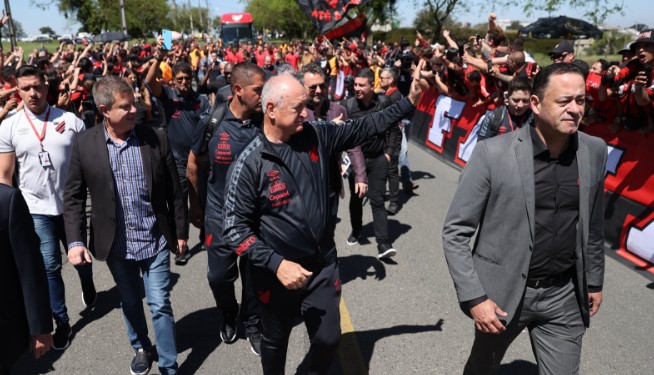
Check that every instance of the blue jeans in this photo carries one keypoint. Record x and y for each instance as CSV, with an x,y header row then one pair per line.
x,y
156,282
50,230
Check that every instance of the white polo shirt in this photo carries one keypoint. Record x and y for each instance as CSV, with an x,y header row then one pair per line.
x,y
42,187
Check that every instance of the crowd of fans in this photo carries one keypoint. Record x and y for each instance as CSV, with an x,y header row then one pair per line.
x,y
180,91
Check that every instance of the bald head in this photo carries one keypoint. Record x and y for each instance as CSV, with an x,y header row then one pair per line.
x,y
284,102
279,88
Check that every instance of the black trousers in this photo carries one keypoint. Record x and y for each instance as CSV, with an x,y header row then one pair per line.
x,y
377,171
223,272
394,179
317,302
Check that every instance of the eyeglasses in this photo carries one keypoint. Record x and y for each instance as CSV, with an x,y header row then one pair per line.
x,y
183,78
315,86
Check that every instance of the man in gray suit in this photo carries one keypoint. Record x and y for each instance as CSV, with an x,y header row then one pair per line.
x,y
535,196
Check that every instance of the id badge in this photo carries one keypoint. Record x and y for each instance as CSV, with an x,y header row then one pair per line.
x,y
44,158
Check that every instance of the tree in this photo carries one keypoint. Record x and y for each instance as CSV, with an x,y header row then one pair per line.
x,y
596,10
18,30
425,20
96,16
612,41
280,15
436,13
47,30
200,19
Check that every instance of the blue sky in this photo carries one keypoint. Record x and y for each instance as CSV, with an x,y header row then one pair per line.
x,y
636,11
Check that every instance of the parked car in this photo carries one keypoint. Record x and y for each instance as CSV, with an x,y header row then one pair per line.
x,y
43,38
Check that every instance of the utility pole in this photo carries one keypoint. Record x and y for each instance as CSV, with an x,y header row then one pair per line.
x,y
201,18
12,29
174,13
122,16
190,14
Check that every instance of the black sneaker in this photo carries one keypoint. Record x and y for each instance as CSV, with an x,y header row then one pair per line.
x,y
141,362
89,295
385,250
393,208
409,187
61,337
228,330
255,343
353,239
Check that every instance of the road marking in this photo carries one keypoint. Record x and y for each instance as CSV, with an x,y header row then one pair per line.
x,y
349,351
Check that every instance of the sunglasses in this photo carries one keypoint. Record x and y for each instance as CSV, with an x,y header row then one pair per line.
x,y
182,79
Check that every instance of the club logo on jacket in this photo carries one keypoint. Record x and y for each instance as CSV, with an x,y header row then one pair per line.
x,y
313,154
223,153
264,296
279,194
60,127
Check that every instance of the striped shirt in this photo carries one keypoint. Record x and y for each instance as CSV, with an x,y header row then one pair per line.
x,y
137,234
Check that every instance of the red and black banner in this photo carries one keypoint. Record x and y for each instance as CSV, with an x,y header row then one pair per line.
x,y
354,28
448,129
325,14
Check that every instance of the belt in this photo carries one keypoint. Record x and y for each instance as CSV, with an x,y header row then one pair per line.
x,y
549,281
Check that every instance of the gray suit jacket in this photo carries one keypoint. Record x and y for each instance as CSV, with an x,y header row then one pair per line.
x,y
496,198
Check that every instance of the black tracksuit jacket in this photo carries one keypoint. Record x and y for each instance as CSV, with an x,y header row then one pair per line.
x,y
266,213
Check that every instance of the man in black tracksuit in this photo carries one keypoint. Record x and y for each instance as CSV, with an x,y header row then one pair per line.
x,y
239,125
378,152
277,213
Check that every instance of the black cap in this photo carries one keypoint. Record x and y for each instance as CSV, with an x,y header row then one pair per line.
x,y
645,36
563,47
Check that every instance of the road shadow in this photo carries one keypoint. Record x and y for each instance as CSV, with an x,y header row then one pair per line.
x,y
395,230
199,332
650,286
362,267
420,175
518,367
107,301
367,341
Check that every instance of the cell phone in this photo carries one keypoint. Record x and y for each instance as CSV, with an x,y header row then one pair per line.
x,y
167,39
66,87
490,65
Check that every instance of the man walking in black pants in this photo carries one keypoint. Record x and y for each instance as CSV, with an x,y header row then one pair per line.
x,y
276,213
377,152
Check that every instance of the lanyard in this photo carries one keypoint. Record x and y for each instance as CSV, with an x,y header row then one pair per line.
x,y
41,136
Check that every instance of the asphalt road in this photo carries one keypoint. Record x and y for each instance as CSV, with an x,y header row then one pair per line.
x,y
398,317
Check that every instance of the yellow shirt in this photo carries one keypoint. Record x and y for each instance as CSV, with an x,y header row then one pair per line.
x,y
376,70
332,66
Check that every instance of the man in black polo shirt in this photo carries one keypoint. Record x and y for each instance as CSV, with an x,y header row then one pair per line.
x,y
535,196
377,152
240,123
185,111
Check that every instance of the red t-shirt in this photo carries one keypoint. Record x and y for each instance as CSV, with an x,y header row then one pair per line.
x,y
292,58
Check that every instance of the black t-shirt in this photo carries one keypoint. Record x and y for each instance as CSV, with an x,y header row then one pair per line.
x,y
183,115
229,140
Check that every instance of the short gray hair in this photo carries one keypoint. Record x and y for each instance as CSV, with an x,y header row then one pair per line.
x,y
274,91
106,88
392,72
